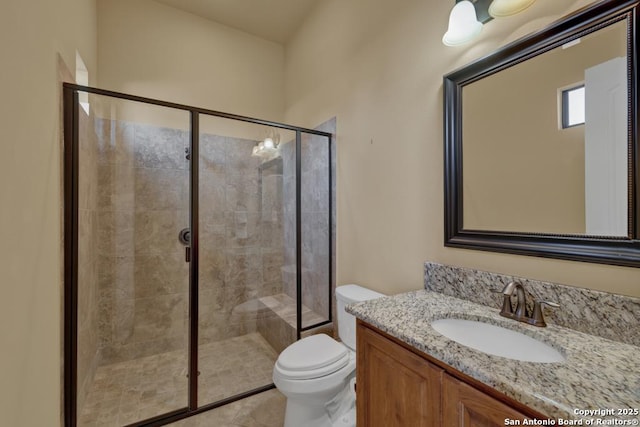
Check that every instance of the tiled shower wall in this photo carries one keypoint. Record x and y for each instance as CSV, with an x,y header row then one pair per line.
x,y
241,236
143,201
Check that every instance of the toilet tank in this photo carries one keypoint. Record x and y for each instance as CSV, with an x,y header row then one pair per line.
x,y
348,294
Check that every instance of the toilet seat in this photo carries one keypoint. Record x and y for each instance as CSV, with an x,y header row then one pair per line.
x,y
312,357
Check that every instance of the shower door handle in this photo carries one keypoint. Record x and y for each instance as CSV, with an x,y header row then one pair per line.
x,y
184,237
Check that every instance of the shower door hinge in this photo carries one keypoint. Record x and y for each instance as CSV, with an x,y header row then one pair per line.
x,y
187,254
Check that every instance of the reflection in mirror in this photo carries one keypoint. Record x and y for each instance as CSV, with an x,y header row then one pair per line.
x,y
527,168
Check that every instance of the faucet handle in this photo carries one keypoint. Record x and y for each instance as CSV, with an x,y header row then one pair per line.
x,y
538,316
507,308
508,288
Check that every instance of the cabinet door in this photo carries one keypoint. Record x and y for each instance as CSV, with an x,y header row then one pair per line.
x,y
395,387
467,406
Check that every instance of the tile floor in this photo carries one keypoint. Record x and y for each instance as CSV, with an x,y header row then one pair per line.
x,y
262,410
126,392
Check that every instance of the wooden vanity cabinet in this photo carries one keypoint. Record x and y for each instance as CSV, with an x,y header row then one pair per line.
x,y
394,386
464,405
398,387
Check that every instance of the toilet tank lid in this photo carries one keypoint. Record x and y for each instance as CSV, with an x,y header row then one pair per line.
x,y
356,293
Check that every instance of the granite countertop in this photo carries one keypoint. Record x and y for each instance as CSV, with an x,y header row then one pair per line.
x,y
598,373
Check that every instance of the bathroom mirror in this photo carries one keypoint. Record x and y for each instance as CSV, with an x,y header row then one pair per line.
x,y
541,142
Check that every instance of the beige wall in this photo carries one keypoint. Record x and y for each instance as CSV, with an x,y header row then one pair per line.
x,y
378,66
153,50
32,33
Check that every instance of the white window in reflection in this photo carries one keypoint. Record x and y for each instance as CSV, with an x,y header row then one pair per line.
x,y
573,107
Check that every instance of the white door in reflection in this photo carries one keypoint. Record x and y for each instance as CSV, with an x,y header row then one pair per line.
x,y
606,149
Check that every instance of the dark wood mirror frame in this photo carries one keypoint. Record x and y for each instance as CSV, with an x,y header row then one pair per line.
x,y
623,251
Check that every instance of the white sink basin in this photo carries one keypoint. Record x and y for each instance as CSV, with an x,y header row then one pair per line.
x,y
497,341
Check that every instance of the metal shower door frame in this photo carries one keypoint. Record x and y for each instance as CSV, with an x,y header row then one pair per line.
x,y
70,199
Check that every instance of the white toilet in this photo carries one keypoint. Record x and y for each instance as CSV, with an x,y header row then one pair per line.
x,y
313,371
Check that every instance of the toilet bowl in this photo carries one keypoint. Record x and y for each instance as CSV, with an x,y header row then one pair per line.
x,y
313,371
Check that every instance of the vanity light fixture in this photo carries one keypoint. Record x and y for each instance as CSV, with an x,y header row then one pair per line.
x,y
467,17
501,8
463,24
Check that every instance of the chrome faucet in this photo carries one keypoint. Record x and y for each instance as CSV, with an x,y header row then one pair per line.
x,y
521,314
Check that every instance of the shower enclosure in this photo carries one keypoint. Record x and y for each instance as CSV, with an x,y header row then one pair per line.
x,y
198,245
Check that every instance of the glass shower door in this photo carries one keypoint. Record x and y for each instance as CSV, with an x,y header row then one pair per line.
x,y
316,207
133,281
242,258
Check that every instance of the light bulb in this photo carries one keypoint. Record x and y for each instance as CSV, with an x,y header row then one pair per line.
x,y
268,144
463,24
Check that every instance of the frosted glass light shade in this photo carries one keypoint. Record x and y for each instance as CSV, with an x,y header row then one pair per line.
x,y
501,8
463,24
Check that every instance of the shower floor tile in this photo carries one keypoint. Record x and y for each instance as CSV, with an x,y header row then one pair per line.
x,y
126,392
